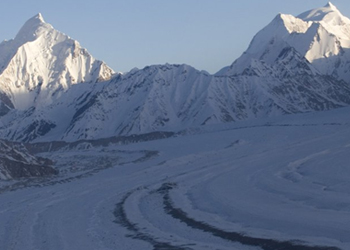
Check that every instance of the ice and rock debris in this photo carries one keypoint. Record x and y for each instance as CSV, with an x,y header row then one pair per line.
x,y
16,163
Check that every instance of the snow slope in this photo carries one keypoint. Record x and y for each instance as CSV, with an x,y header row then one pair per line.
x,y
40,63
175,97
320,35
262,184
277,182
280,73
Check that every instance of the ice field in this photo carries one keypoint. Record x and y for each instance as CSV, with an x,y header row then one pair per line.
x,y
278,183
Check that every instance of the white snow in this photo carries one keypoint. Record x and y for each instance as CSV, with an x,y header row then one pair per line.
x,y
321,35
270,177
285,178
41,62
282,72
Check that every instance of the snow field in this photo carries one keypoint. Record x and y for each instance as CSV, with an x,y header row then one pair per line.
x,y
283,179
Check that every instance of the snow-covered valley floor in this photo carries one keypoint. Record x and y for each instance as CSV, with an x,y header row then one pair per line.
x,y
279,183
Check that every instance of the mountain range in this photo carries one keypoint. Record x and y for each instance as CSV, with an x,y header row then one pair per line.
x,y
52,89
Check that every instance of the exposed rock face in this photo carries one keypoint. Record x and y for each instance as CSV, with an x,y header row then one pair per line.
x,y
16,162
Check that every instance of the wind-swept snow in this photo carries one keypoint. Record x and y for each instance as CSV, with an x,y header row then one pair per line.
x,y
276,182
139,170
321,35
294,65
40,63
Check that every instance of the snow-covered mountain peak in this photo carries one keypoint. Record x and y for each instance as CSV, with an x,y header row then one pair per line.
x,y
33,28
40,17
41,62
327,14
330,5
332,20
321,35
291,66
319,14
291,24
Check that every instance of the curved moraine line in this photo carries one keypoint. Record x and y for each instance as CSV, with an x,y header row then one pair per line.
x,y
266,244
136,233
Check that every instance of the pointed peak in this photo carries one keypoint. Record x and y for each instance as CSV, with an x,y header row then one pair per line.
x,y
39,17
279,18
289,23
331,6
284,17
32,28
328,12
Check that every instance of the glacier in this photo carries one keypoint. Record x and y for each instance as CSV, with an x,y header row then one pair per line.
x,y
281,181
170,157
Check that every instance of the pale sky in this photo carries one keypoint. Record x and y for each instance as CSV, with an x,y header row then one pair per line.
x,y
206,34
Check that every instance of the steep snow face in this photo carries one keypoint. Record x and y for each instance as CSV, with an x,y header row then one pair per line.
x,y
281,73
321,35
41,62
177,97
327,14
